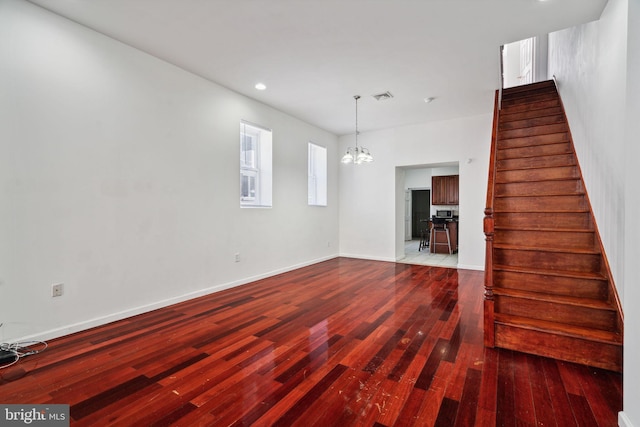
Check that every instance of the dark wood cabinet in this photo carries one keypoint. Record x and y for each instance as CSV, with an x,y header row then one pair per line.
x,y
444,190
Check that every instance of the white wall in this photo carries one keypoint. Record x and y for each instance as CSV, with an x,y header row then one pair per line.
x,y
367,199
401,211
540,61
632,225
419,179
589,63
370,209
119,176
597,67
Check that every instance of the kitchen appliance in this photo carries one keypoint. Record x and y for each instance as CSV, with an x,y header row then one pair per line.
x,y
444,214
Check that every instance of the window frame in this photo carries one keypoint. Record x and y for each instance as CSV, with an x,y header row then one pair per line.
x,y
317,179
256,168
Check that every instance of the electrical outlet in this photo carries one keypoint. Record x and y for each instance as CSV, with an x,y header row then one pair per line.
x,y
57,289
237,257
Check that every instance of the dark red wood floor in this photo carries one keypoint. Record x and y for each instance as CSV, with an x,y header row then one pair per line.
x,y
343,342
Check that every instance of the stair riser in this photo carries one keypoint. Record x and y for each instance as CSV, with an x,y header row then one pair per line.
x,y
519,108
568,172
527,123
560,261
540,204
508,117
531,98
556,285
546,239
516,91
532,131
586,317
573,186
510,100
533,88
570,349
536,162
575,220
515,152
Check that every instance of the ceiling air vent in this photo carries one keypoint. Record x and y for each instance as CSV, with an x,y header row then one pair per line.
x,y
383,96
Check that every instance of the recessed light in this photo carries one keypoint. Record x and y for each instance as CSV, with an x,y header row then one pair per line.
x,y
428,100
261,86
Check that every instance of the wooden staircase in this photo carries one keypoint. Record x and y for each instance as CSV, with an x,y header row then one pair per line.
x,y
548,289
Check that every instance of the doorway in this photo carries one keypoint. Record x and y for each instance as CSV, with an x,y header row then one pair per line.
x,y
519,62
420,211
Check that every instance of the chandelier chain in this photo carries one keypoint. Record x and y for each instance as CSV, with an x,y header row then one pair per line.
x,y
356,97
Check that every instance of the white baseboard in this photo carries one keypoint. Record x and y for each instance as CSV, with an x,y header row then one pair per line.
x,y
459,266
623,420
471,267
370,258
103,320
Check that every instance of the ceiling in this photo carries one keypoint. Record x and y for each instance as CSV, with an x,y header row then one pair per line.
x,y
315,55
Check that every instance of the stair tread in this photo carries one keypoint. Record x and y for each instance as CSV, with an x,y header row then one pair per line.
x,y
534,100
540,167
545,84
506,117
530,122
534,145
533,150
533,167
535,179
557,211
532,97
572,249
598,335
537,196
541,155
565,178
546,229
554,298
551,129
523,106
526,155
549,194
560,273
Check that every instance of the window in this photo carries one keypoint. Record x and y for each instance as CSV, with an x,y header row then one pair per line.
x,y
255,166
317,183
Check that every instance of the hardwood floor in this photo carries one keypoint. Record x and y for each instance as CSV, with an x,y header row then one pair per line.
x,y
342,342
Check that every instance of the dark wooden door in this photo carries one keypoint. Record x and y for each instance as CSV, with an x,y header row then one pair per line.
x,y
420,211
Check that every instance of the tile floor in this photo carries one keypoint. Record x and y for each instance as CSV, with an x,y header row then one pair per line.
x,y
423,257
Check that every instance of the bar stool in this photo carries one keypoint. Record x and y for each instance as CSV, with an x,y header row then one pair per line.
x,y
425,232
439,227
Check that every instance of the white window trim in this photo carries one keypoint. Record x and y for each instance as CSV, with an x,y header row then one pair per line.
x,y
262,170
316,179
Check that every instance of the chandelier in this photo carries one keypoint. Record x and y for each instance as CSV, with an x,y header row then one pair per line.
x,y
357,155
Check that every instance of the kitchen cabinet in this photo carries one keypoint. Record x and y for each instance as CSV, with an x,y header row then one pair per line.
x,y
444,190
438,242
